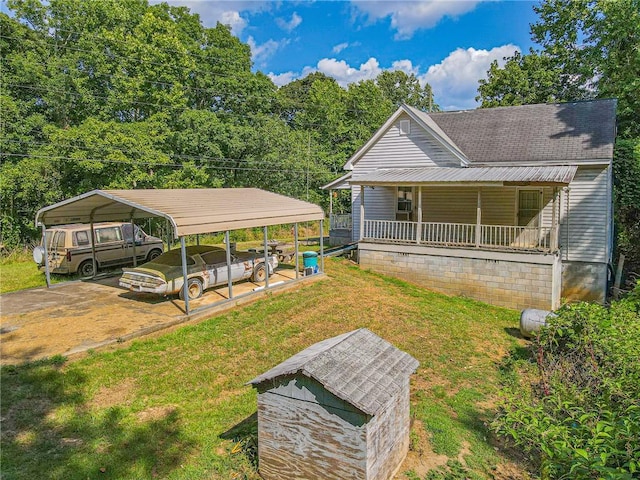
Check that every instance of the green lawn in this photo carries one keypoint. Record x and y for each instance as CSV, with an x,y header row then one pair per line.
x,y
173,406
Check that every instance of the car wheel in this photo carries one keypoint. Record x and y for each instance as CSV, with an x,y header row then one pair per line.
x,y
194,286
259,273
86,269
153,254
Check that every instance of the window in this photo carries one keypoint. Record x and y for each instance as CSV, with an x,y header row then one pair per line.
x,y
528,207
110,234
405,199
59,239
81,239
213,258
405,127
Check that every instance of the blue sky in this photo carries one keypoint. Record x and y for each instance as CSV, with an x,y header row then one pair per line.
x,y
449,44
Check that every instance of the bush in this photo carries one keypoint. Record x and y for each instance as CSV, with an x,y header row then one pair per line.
x,y
579,416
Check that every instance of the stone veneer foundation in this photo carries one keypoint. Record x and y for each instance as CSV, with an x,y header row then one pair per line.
x,y
513,280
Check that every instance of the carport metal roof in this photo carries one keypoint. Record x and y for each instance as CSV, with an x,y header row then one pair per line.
x,y
190,211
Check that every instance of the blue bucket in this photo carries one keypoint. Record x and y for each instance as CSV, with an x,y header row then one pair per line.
x,y
310,260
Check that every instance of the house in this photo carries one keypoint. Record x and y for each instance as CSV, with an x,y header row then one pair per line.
x,y
338,409
508,205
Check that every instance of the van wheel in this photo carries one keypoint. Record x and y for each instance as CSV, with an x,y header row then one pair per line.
x,y
259,273
194,286
86,269
153,254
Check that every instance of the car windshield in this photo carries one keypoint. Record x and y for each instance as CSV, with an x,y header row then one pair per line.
x,y
172,258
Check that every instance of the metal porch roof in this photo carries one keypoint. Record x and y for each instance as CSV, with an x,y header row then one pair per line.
x,y
541,175
190,211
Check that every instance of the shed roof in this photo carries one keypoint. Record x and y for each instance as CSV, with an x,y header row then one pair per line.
x,y
541,175
190,211
558,132
359,367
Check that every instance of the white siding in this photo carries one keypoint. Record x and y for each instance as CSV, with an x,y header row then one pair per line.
x,y
418,149
379,204
449,204
587,221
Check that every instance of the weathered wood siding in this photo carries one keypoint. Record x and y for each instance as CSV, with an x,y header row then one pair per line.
x,y
388,437
305,432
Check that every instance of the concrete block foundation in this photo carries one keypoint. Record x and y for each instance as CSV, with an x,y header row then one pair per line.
x,y
512,280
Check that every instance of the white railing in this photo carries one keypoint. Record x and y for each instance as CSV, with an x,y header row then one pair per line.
x,y
390,231
463,234
508,237
340,221
535,238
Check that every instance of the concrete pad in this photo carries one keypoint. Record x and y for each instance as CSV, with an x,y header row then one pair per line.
x,y
77,316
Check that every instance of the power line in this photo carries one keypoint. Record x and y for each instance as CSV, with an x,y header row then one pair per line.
x,y
116,148
156,164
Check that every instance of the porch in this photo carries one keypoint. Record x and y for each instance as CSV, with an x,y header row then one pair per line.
x,y
462,235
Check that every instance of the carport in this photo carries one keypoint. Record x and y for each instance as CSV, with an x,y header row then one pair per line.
x,y
187,212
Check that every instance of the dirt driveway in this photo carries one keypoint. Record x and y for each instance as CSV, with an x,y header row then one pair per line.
x,y
77,316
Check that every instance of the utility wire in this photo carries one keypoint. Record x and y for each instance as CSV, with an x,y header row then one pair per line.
x,y
116,148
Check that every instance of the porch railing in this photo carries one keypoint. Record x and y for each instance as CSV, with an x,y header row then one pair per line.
x,y
508,237
341,221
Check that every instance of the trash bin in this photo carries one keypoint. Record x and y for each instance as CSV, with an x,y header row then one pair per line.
x,y
310,262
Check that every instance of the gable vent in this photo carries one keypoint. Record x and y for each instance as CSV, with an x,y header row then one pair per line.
x,y
405,127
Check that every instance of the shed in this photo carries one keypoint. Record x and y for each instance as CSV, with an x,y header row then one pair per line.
x,y
338,409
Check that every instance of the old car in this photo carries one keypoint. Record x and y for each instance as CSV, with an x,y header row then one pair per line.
x,y
69,247
206,267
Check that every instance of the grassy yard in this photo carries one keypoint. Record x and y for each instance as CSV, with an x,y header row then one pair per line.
x,y
176,406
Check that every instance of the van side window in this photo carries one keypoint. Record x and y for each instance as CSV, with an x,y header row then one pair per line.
x,y
110,234
59,239
81,239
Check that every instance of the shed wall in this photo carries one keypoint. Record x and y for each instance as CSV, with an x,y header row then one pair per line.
x,y
305,432
388,437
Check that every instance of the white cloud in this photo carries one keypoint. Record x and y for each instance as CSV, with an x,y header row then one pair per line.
x,y
409,16
346,74
340,47
234,20
455,79
291,24
226,12
260,53
281,79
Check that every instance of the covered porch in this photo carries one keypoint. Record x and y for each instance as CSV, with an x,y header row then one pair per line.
x,y
514,209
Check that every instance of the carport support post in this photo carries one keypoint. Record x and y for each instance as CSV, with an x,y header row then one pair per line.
x,y
133,244
322,246
46,255
295,241
185,286
229,280
266,260
93,247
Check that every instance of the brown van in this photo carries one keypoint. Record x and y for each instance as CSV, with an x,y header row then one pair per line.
x,y
69,247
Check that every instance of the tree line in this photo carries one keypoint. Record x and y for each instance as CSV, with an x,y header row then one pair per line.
x,y
123,94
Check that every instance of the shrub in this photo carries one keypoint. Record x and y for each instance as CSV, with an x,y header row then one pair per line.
x,y
579,415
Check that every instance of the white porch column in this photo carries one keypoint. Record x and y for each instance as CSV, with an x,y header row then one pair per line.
x,y
554,221
361,212
479,218
228,251
419,227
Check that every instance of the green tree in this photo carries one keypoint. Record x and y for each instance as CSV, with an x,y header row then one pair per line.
x,y
400,88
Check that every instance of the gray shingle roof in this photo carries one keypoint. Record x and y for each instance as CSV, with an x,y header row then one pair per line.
x,y
359,367
533,133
